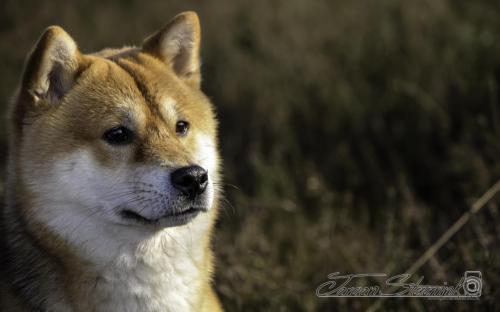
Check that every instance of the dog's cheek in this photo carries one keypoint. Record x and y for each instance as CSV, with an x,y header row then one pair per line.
x,y
79,177
206,154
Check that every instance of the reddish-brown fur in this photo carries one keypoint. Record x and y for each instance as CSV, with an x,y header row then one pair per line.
x,y
93,93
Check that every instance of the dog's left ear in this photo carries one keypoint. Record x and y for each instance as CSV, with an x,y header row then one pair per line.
x,y
178,45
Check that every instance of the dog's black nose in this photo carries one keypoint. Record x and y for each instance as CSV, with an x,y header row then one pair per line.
x,y
191,180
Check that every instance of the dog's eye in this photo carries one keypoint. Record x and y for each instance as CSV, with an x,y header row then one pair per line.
x,y
118,136
181,127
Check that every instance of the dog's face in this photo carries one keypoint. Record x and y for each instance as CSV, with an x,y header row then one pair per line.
x,y
130,142
123,137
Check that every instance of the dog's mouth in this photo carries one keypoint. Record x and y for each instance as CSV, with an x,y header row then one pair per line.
x,y
178,217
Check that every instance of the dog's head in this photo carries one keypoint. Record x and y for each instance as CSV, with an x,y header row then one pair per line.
x,y
121,138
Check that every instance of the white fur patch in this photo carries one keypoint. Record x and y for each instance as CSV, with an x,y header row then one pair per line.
x,y
168,109
206,154
143,268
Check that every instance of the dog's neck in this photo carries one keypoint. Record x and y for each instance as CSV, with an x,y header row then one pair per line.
x,y
163,271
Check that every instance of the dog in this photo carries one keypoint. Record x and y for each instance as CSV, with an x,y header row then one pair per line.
x,y
113,178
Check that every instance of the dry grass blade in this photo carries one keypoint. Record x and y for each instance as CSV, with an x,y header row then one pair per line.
x,y
452,230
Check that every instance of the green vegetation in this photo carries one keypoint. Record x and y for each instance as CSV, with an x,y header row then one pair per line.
x,y
354,133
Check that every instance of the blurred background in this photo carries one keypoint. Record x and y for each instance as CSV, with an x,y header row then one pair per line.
x,y
354,133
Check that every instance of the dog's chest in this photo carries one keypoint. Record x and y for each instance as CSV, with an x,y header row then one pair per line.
x,y
148,286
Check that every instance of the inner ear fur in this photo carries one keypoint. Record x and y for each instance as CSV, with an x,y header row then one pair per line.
x,y
51,68
178,45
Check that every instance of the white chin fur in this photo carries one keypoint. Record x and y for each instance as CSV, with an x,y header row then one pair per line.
x,y
142,268
79,200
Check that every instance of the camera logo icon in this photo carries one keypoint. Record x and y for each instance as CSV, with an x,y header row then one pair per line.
x,y
473,283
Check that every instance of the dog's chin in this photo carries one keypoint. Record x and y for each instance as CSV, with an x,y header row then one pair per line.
x,y
169,219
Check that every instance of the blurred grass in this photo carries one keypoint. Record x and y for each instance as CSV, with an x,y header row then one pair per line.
x,y
354,132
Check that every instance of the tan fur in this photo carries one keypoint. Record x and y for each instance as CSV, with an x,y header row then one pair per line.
x,y
65,103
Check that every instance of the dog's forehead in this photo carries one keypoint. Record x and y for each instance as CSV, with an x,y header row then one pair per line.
x,y
138,75
155,80
139,89
164,93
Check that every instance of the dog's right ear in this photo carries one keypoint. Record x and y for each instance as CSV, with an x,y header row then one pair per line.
x,y
50,70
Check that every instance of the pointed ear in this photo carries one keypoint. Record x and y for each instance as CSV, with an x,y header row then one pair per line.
x,y
51,67
178,45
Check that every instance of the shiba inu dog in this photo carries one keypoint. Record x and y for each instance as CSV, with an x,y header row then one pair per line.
x,y
112,178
